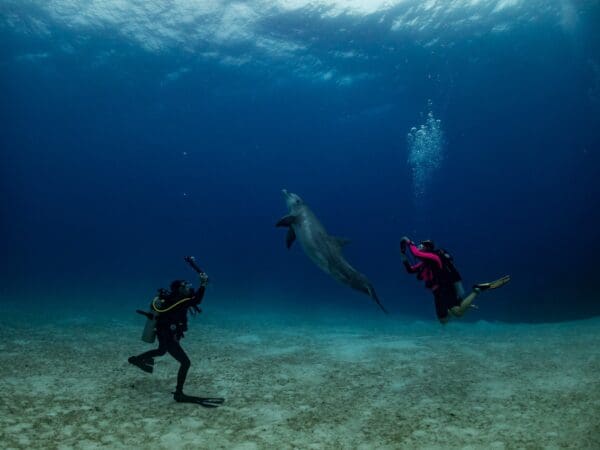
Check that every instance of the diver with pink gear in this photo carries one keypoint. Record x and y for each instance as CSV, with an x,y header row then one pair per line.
x,y
436,268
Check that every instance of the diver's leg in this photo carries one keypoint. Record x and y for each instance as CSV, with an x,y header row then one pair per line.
x,y
145,361
151,354
441,310
208,402
147,365
160,351
460,290
179,354
466,303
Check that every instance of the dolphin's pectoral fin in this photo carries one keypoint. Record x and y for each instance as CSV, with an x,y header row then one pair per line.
x,y
286,221
340,241
290,237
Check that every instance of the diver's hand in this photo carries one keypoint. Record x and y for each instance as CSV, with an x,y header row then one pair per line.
x,y
203,279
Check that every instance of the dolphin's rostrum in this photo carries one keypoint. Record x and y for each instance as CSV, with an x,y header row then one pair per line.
x,y
324,250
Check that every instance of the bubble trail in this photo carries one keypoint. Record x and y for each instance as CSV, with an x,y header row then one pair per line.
x,y
425,153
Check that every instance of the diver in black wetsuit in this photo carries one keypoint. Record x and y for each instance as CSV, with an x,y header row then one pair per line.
x,y
171,308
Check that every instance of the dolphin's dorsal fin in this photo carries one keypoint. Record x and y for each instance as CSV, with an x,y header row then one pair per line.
x,y
290,237
287,221
340,241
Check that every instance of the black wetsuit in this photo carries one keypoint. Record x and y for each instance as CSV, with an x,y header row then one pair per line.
x,y
170,328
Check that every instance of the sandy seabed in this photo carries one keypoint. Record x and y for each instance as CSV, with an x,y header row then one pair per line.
x,y
292,383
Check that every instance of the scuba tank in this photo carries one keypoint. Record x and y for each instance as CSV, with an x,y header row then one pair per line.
x,y
149,333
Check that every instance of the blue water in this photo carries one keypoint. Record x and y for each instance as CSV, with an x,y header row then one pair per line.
x,y
134,135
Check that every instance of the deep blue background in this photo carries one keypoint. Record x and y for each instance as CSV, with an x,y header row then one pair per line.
x,y
93,173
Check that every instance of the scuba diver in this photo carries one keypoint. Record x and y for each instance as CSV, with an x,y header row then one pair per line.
x,y
436,268
168,321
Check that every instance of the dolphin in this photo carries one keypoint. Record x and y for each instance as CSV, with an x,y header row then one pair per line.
x,y
324,250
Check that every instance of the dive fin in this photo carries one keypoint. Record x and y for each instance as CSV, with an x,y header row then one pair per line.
x,y
493,284
290,237
286,221
207,402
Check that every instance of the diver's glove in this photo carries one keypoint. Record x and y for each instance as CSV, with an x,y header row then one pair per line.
x,y
203,279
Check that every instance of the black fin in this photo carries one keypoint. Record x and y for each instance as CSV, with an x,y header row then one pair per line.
x,y
207,402
290,237
286,221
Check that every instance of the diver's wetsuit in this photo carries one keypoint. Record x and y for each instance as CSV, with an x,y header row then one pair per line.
x,y
438,277
170,327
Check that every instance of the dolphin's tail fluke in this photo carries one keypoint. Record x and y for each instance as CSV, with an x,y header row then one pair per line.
x,y
373,295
